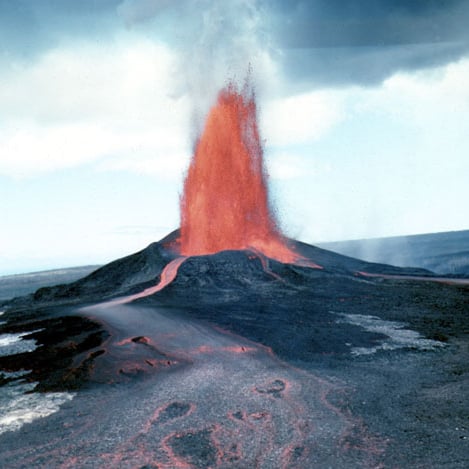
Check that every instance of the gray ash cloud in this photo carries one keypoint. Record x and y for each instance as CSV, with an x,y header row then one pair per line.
x,y
365,41
319,42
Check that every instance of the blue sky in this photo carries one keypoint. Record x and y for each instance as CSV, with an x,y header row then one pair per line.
x,y
364,109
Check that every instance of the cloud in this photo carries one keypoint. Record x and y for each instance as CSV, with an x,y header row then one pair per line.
x,y
365,41
398,161
29,149
30,27
113,106
320,43
300,119
86,104
334,23
364,66
88,80
215,42
135,11
424,98
163,164
285,166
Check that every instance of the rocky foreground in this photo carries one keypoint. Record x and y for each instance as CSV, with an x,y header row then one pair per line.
x,y
242,361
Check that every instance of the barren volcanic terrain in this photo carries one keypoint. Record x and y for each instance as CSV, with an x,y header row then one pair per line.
x,y
240,361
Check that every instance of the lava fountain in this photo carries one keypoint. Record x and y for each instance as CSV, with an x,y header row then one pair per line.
x,y
225,201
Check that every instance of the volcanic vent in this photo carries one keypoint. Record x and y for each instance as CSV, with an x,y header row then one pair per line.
x,y
225,203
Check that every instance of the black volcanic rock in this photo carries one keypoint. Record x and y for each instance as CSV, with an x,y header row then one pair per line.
x,y
246,285
274,303
340,263
232,347
122,276
138,271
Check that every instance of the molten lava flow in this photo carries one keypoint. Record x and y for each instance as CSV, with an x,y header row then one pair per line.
x,y
225,203
168,274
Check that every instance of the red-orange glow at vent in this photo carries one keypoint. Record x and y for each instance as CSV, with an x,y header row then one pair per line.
x,y
225,203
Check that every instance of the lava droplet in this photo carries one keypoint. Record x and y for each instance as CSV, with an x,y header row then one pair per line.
x,y
225,201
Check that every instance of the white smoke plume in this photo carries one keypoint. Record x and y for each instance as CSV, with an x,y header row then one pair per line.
x,y
216,41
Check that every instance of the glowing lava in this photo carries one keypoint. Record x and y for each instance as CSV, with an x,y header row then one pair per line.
x,y
168,274
225,202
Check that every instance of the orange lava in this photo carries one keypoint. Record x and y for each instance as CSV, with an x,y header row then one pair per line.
x,y
168,274
225,201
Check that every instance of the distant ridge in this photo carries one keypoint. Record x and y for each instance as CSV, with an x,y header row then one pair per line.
x,y
445,253
23,284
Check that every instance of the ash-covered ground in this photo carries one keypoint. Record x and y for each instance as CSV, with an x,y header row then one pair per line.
x,y
239,362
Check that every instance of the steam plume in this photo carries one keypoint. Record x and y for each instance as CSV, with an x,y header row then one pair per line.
x,y
215,41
